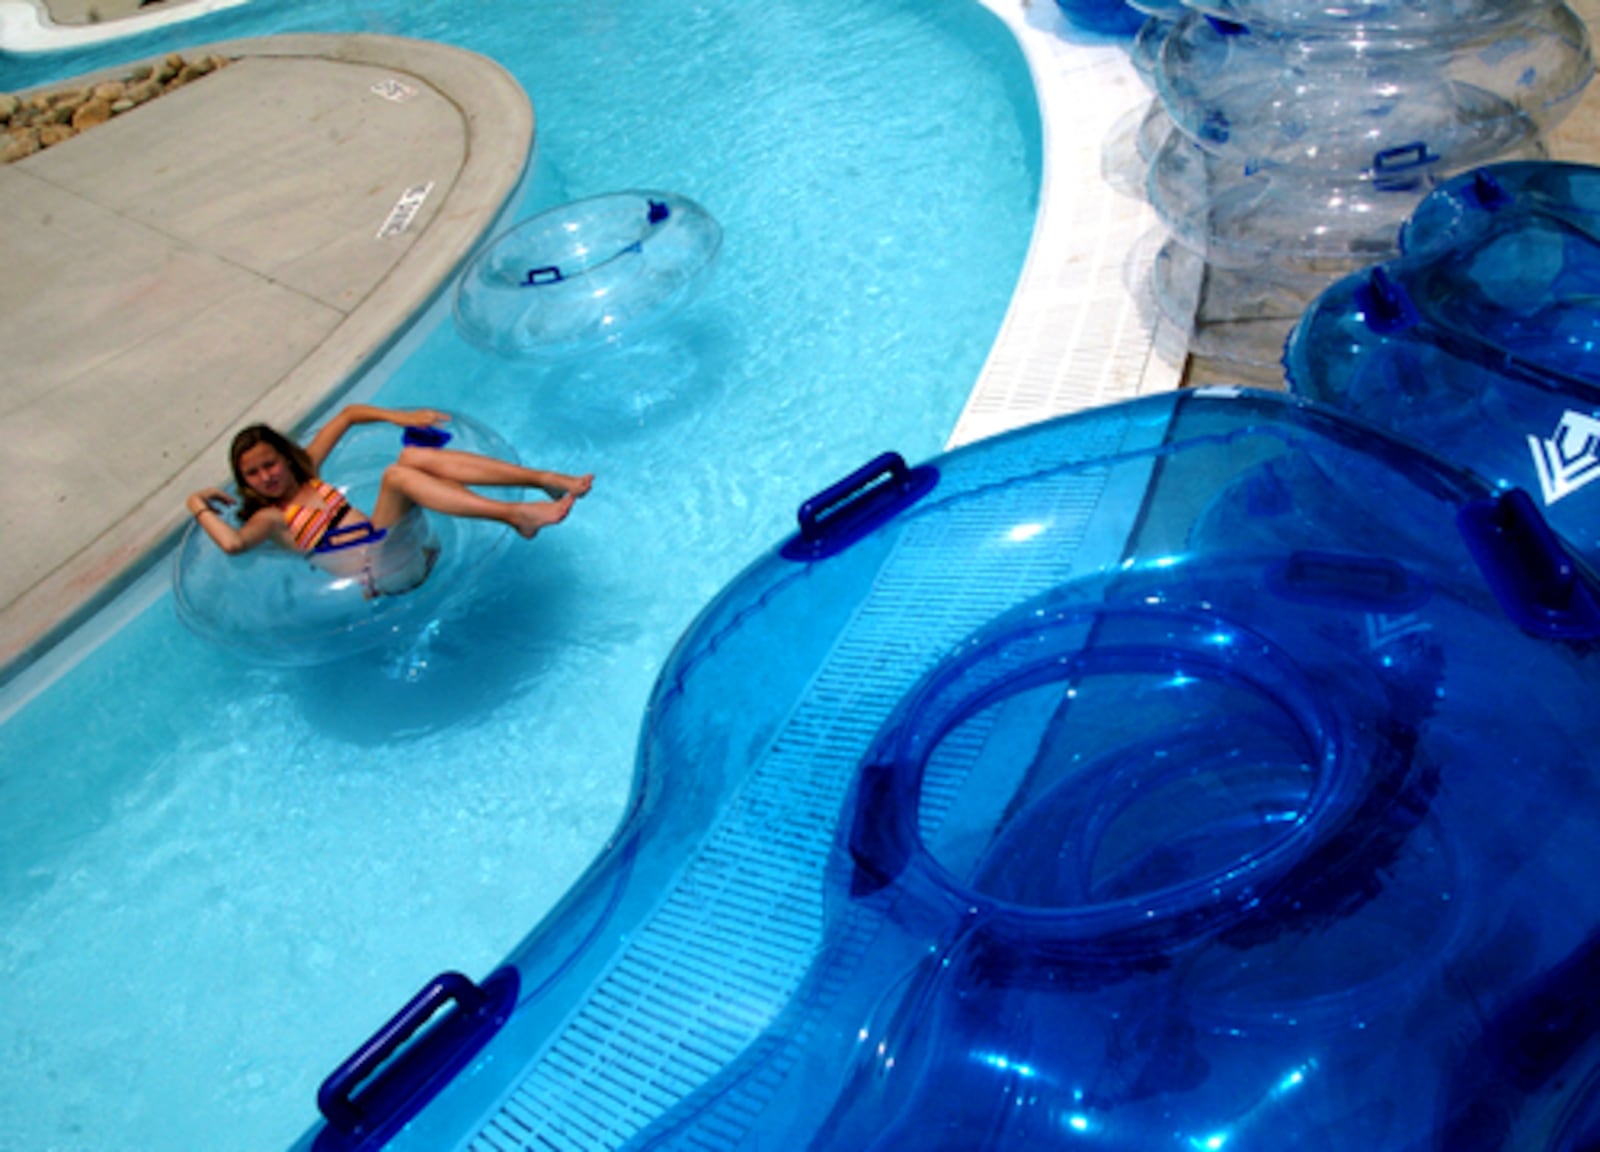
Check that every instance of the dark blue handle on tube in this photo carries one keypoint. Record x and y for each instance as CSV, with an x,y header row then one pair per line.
x,y
425,436
392,1076
547,275
354,536
843,513
1542,588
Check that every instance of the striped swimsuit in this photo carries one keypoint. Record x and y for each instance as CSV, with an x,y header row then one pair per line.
x,y
307,526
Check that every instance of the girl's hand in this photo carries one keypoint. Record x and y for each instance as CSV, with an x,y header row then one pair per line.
x,y
425,417
208,497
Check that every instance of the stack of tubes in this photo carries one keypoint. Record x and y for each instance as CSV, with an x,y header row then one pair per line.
x,y
1289,139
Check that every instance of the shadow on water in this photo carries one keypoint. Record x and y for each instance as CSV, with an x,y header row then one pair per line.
x,y
613,395
518,625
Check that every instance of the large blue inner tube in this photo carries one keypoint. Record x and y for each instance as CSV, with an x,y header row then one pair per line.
x,y
1166,776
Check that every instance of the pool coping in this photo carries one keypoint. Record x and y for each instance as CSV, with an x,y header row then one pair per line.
x,y
1080,330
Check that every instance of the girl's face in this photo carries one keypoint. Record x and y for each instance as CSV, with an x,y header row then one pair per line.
x,y
265,470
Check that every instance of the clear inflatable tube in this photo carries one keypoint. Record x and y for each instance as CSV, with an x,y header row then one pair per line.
x,y
586,274
276,607
1444,99
1306,222
1373,18
1166,776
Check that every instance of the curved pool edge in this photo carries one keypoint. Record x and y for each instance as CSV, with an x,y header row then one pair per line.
x,y
1074,336
476,174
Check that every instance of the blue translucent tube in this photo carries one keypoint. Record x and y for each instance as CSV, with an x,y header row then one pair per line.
x,y
1107,17
1480,342
1461,210
1301,145
1167,776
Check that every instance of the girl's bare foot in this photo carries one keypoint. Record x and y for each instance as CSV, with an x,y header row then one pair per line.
x,y
570,485
528,518
562,485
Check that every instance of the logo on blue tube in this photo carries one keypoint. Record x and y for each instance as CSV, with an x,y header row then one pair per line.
x,y
1568,460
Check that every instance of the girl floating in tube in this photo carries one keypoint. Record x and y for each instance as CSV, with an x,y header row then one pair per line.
x,y
283,500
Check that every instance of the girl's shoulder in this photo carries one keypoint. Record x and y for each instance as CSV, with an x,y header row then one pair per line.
x,y
270,516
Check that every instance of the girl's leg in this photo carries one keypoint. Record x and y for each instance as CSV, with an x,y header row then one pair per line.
x,y
470,468
404,487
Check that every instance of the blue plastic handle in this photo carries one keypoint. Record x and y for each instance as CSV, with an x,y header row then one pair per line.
x,y
1482,190
879,846
1539,584
1384,304
410,1059
550,274
844,512
336,1097
425,436
889,464
1394,169
1402,157
355,536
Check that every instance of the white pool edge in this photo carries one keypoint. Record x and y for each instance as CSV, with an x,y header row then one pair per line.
x,y
1075,336
26,25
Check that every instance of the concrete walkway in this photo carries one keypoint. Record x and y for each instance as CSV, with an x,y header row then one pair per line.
x,y
228,253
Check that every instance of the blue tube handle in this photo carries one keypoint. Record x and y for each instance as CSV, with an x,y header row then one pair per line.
x,y
1539,584
844,512
1393,169
335,1099
1403,156
1384,303
813,511
424,436
354,536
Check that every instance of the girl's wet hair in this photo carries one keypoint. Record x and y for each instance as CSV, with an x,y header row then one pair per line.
x,y
251,501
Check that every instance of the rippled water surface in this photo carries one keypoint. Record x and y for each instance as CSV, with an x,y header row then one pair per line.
x,y
218,878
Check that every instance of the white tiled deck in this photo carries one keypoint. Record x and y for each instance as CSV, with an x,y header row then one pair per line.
x,y
1076,335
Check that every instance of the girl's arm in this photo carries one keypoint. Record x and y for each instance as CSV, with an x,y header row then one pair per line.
x,y
257,530
329,435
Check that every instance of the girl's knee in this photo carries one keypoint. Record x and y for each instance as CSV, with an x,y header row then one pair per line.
x,y
399,473
412,456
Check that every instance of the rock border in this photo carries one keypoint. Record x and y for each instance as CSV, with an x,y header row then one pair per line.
x,y
42,119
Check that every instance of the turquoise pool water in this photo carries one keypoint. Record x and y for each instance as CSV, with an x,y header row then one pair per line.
x,y
217,878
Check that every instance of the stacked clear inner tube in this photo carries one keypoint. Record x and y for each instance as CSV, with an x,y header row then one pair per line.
x,y
1291,138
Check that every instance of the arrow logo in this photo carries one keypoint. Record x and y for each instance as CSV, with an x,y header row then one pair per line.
x,y
1568,460
1382,630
